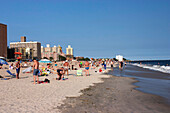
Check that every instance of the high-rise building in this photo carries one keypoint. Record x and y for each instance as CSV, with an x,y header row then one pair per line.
x,y
53,52
69,52
29,50
3,40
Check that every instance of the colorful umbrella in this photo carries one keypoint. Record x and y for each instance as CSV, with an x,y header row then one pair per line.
x,y
45,61
18,53
3,62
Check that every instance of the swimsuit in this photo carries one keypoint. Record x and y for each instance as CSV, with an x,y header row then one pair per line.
x,y
18,70
87,68
36,71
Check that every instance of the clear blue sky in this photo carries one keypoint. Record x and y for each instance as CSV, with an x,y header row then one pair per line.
x,y
137,29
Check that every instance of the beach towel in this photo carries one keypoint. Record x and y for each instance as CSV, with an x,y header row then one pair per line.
x,y
79,73
28,70
11,73
5,78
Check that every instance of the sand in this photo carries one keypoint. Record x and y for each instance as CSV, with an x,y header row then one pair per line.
x,y
114,95
77,94
22,96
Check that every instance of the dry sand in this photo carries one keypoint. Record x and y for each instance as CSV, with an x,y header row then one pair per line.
x,y
22,96
115,95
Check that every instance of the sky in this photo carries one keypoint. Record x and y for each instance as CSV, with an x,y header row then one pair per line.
x,y
136,29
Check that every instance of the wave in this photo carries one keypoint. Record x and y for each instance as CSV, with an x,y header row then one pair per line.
x,y
165,69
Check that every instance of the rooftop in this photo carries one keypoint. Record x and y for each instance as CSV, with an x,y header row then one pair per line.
x,y
23,42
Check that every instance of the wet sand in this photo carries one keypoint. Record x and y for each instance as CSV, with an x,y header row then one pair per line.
x,y
115,95
150,81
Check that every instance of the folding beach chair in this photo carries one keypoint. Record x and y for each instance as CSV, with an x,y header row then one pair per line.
x,y
79,73
13,75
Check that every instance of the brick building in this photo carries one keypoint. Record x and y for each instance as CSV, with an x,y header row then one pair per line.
x,y
3,40
29,50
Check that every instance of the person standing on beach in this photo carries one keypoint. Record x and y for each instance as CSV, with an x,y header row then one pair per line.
x,y
104,65
121,65
66,67
36,70
87,68
112,64
17,68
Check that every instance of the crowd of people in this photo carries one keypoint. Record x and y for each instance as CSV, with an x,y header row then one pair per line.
x,y
62,68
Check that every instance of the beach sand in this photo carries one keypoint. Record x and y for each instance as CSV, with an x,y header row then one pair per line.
x,y
22,96
115,95
76,95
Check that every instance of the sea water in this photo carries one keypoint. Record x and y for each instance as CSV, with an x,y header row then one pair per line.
x,y
157,65
149,84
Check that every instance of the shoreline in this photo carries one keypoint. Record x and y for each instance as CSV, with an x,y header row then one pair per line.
x,y
150,81
89,102
63,96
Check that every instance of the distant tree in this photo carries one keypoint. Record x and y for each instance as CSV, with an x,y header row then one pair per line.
x,y
115,59
45,58
51,58
87,59
124,59
61,58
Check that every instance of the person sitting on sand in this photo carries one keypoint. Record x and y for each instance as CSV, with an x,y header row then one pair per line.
x,y
55,64
60,73
87,68
11,66
36,70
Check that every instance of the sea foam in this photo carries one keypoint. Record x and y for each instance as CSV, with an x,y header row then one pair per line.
x,y
165,69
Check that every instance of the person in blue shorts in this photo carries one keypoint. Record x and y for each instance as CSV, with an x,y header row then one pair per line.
x,y
36,71
18,69
87,68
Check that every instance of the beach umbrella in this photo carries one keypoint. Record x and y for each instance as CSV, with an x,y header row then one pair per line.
x,y
19,57
3,62
2,58
45,61
18,53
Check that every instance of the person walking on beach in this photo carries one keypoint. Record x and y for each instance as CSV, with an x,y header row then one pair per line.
x,y
18,68
104,65
111,65
121,65
87,68
36,70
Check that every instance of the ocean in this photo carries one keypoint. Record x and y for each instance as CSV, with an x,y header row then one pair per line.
x,y
157,65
